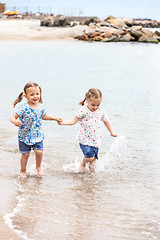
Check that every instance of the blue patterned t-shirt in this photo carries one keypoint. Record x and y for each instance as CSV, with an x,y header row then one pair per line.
x,y
31,131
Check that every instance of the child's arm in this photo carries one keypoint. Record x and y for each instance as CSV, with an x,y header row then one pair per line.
x,y
110,129
48,117
14,119
70,121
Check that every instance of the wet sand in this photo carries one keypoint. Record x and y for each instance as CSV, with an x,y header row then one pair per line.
x,y
6,232
6,201
24,30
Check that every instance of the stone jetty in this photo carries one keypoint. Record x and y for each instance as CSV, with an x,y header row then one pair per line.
x,y
110,29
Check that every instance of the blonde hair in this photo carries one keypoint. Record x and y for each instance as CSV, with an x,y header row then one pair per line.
x,y
93,93
28,85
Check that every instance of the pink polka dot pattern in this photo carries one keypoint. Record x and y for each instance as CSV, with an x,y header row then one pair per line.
x,y
90,126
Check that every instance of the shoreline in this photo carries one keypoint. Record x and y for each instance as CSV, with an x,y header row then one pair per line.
x,y
30,30
8,190
6,232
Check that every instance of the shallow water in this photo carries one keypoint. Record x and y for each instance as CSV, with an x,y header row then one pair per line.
x,y
121,200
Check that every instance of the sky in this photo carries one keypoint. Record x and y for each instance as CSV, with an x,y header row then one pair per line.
x,y
99,8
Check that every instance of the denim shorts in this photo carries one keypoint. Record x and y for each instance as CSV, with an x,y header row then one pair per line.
x,y
89,151
24,148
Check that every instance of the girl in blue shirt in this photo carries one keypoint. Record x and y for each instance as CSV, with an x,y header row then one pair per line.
x,y
29,118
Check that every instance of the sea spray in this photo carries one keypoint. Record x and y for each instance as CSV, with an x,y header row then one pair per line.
x,y
32,169
72,167
117,150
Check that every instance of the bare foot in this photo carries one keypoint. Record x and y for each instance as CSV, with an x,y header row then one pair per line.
x,y
40,172
81,168
22,174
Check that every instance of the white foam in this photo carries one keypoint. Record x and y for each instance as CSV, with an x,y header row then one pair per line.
x,y
71,167
32,170
20,203
9,216
8,220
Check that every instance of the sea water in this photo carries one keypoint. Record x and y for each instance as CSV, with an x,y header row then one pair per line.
x,y
121,199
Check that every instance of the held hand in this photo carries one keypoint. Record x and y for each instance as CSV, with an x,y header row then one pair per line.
x,y
18,123
59,120
114,135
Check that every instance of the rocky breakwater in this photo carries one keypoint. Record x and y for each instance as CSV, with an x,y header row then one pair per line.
x,y
122,30
110,29
135,33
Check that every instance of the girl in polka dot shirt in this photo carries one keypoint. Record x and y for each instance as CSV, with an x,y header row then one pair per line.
x,y
91,117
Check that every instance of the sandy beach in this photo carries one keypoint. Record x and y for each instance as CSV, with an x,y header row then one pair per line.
x,y
5,204
119,201
6,232
21,29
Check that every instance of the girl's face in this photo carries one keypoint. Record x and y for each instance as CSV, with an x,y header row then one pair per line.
x,y
93,104
33,95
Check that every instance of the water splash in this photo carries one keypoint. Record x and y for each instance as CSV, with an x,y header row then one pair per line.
x,y
72,167
118,149
32,172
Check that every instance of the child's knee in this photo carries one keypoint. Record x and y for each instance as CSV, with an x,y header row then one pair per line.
x,y
38,152
26,155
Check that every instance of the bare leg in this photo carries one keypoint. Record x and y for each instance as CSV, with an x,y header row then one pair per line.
x,y
24,160
92,165
83,164
39,156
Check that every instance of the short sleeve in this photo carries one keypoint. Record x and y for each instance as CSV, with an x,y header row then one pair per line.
x,y
81,113
20,110
104,117
43,111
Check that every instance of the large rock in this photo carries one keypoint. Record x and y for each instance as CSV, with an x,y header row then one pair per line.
x,y
60,21
111,39
107,34
94,34
147,32
83,37
122,32
98,38
91,20
148,36
105,24
148,39
157,33
115,22
136,28
127,38
136,32
47,22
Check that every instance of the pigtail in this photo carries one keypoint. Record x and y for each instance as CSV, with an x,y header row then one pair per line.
x,y
28,85
19,99
92,93
40,100
82,102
